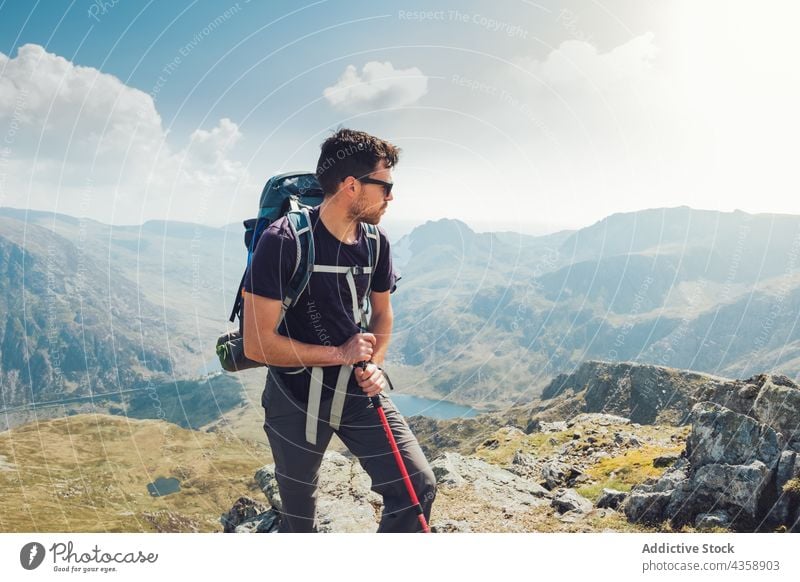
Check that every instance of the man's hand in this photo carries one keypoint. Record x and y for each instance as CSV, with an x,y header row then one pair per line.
x,y
358,348
371,379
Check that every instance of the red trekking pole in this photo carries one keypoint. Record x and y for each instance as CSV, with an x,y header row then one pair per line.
x,y
376,403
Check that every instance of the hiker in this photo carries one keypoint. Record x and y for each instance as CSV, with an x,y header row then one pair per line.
x,y
312,388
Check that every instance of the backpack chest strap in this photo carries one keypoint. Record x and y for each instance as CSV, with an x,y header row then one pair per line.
x,y
359,314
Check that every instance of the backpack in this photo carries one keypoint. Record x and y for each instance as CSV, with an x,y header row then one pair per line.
x,y
291,194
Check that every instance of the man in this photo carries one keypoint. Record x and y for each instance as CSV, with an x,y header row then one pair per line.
x,y
312,389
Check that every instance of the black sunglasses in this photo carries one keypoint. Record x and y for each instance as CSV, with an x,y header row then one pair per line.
x,y
387,186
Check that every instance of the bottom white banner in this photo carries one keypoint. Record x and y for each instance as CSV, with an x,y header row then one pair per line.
x,y
398,557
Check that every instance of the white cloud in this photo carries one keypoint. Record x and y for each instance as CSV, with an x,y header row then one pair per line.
x,y
577,61
379,85
84,143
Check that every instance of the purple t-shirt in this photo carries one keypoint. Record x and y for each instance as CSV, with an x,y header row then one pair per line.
x,y
323,314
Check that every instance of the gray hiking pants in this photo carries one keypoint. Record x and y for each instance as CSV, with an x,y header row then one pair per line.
x,y
297,462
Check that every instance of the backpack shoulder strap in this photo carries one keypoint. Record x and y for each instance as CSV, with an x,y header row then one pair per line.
x,y
300,223
374,245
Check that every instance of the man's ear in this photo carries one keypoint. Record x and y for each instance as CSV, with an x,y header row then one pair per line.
x,y
351,186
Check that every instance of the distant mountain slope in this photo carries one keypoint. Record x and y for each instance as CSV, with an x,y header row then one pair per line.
x,y
69,327
492,318
489,318
91,472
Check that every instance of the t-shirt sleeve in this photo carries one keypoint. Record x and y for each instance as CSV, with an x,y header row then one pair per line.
x,y
273,262
385,276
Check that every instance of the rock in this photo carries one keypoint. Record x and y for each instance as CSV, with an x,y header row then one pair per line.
x,y
556,474
672,478
496,486
345,501
243,510
570,500
778,404
597,418
446,469
712,519
611,499
721,436
788,468
265,479
451,526
646,507
666,460
556,426
524,459
267,522
737,486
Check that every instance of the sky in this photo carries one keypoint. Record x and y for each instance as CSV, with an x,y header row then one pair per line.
x,y
511,115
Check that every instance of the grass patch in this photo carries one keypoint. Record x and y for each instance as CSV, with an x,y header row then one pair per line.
x,y
536,444
625,471
89,473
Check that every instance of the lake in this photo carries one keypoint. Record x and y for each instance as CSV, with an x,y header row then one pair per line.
x,y
407,405
163,486
439,409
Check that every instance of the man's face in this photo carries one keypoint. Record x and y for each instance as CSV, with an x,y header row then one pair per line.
x,y
372,201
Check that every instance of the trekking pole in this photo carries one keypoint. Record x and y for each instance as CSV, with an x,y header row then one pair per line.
x,y
376,403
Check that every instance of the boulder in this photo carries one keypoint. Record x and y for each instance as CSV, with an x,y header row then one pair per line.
x,y
722,436
666,460
556,474
247,513
778,404
735,488
646,507
570,500
611,499
713,519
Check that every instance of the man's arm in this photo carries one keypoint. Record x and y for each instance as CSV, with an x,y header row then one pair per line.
x,y
263,343
380,324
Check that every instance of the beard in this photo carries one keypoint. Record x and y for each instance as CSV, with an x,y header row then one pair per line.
x,y
363,211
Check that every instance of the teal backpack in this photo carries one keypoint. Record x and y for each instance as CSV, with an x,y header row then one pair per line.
x,y
291,194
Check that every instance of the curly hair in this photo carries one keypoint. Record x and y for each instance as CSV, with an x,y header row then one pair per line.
x,y
351,153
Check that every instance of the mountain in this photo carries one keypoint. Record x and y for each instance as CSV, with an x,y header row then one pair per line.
x,y
78,332
483,319
492,317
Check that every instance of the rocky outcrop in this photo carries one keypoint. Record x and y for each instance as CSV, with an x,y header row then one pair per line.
x,y
497,487
736,466
645,394
346,503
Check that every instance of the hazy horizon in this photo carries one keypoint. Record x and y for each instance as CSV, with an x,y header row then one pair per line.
x,y
397,228
566,112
